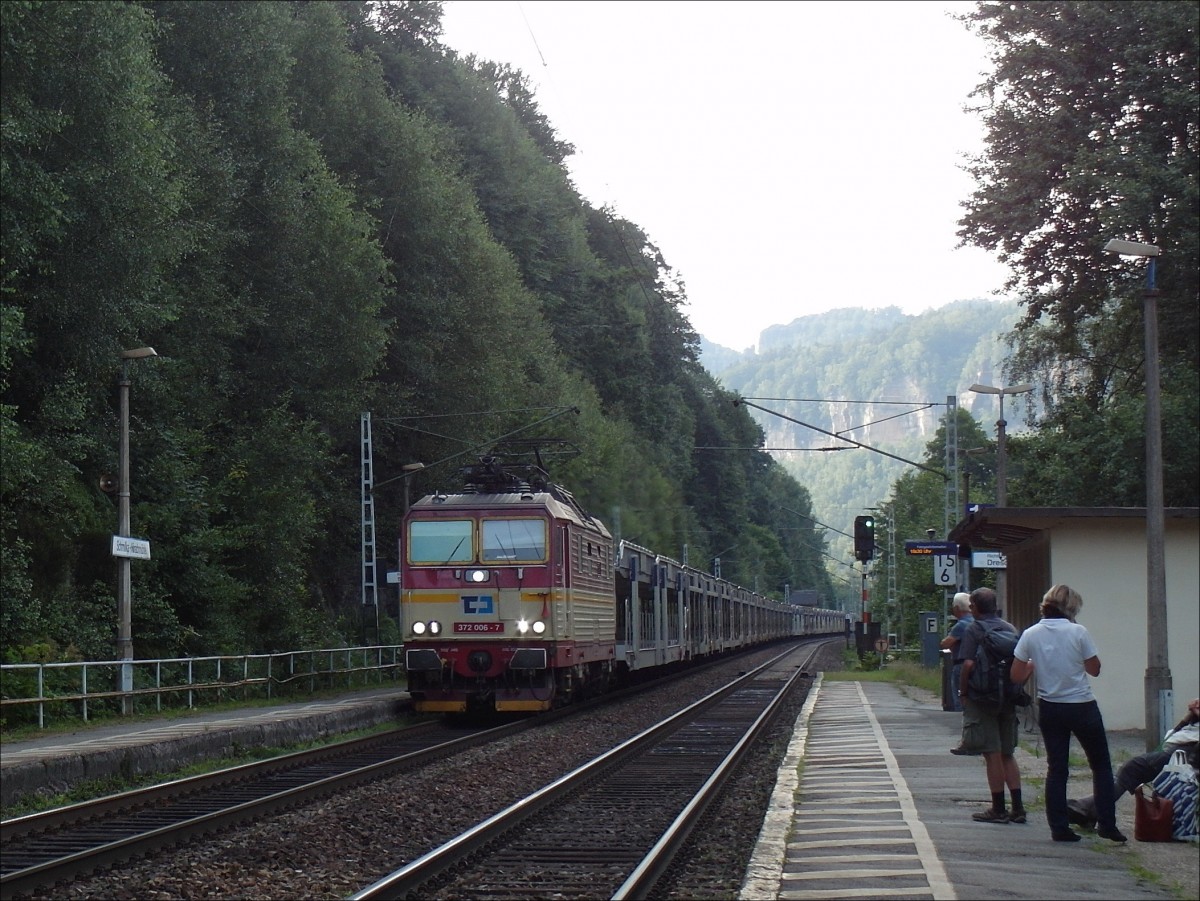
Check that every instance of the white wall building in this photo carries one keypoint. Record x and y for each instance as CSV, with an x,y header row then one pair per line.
x,y
1101,553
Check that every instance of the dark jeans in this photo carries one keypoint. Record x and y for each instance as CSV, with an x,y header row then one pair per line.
x,y
955,674
1058,723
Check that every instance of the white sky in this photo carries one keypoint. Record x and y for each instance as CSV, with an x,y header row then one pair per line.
x,y
779,153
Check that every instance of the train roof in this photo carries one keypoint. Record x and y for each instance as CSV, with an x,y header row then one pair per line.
x,y
509,503
494,482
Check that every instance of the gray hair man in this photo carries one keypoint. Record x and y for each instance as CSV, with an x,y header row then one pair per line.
x,y
961,610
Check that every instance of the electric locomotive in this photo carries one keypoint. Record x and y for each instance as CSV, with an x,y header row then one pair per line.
x,y
514,599
507,599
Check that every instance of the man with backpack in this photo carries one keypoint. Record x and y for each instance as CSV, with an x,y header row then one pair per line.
x,y
989,709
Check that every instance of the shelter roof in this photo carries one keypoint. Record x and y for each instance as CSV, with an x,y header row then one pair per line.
x,y
1003,528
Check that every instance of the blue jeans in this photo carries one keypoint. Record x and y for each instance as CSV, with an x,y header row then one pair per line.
x,y
1058,723
955,674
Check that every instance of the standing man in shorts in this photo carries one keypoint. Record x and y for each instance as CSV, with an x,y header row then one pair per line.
x,y
987,730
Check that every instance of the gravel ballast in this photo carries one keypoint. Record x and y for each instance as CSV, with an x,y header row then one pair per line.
x,y
335,847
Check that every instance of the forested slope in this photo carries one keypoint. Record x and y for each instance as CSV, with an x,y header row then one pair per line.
x,y
881,378
312,210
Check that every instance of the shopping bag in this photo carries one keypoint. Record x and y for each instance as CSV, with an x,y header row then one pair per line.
x,y
1153,815
1177,783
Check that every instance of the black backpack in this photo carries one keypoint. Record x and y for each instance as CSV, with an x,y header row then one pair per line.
x,y
988,682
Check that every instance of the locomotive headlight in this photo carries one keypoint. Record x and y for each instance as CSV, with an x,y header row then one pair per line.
x,y
478,575
539,627
418,628
435,628
522,626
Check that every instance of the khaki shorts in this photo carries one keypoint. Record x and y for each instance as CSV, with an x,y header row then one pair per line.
x,y
988,731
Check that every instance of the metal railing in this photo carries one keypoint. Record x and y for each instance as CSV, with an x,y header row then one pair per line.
x,y
91,688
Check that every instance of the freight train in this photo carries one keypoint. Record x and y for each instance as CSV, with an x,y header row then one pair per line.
x,y
514,599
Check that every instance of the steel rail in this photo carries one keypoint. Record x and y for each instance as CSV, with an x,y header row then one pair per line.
x,y
660,857
409,880
28,871
24,867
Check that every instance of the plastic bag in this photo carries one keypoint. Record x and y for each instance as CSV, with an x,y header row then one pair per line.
x,y
1177,783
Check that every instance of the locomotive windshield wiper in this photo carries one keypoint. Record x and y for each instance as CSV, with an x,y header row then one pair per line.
x,y
455,551
509,550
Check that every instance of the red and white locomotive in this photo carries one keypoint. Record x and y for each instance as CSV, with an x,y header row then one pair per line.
x,y
513,598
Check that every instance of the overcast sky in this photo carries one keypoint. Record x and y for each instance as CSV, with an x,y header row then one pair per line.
x,y
787,158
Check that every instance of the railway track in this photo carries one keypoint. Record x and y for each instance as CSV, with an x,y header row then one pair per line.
x,y
43,849
612,827
59,846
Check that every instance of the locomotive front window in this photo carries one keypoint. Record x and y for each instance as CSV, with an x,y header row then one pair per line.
x,y
440,541
514,540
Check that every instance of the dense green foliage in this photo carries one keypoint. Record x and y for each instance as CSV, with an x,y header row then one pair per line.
x,y
312,210
888,392
1092,134
1091,117
315,209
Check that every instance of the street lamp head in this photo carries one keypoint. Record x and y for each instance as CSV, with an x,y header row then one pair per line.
x,y
1132,248
138,353
1023,388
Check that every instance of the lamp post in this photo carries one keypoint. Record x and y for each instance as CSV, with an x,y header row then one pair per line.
x,y
124,576
1001,436
1001,465
1158,683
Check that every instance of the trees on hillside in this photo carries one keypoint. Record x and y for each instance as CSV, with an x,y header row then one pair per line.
x,y
310,210
882,385
98,208
1091,135
917,503
1090,113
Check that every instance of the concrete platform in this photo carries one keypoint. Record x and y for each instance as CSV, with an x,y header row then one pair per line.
x,y
49,764
871,804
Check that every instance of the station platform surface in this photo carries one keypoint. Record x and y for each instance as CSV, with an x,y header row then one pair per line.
x,y
869,802
52,762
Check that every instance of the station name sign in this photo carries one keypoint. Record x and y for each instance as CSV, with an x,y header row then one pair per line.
x,y
930,548
988,560
135,548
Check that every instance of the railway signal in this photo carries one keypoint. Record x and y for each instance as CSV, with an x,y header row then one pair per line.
x,y
864,538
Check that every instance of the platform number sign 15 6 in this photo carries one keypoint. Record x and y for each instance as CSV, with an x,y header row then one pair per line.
x,y
945,572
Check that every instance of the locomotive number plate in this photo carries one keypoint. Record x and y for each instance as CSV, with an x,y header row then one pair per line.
x,y
460,628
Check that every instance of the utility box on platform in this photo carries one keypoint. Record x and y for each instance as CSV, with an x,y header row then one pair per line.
x,y
931,637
